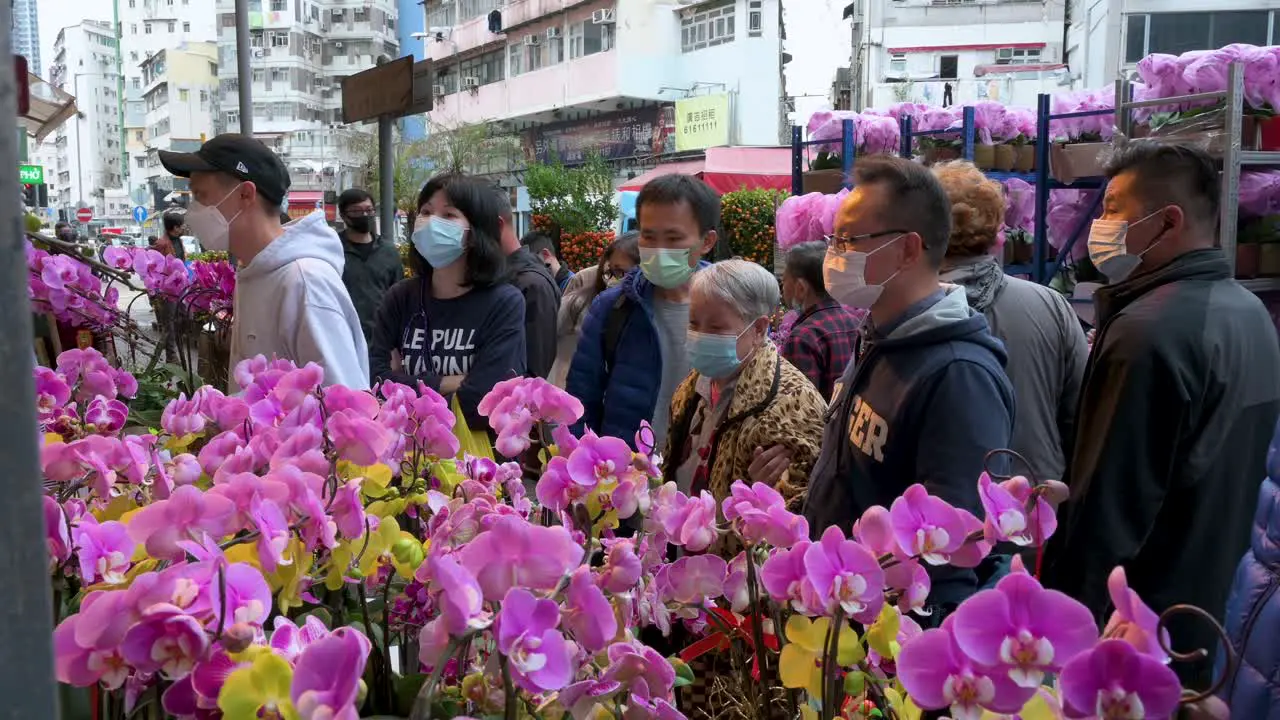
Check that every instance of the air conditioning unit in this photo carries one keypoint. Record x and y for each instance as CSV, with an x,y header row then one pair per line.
x,y
338,45
553,33
438,90
260,53
532,40
602,17
470,83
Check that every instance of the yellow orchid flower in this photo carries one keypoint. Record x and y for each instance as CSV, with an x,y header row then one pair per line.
x,y
882,636
800,665
53,439
244,553
287,579
339,564
180,444
380,543
263,686
146,564
904,707
388,508
118,509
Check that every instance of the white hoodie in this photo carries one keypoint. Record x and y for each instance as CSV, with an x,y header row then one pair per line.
x,y
291,303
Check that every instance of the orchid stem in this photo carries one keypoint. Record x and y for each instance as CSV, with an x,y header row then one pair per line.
x,y
757,634
830,676
379,673
508,689
427,694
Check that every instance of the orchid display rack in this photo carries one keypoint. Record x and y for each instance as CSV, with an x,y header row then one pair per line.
x,y
848,148
1233,156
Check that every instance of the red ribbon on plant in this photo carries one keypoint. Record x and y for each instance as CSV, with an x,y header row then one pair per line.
x,y
737,627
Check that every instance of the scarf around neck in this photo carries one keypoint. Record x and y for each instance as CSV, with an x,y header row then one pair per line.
x,y
982,279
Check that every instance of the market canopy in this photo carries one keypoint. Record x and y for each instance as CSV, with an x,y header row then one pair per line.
x,y
727,169
50,107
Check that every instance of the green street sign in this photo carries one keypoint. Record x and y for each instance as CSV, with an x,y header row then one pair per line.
x,y
31,174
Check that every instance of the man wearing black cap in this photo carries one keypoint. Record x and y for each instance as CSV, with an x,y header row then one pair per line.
x,y
290,301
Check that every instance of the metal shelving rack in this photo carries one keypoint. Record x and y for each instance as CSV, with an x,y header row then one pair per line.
x,y
1233,157
848,148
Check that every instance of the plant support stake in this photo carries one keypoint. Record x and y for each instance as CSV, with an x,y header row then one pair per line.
x,y
26,624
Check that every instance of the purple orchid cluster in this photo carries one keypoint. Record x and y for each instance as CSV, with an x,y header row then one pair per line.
x,y
82,398
1093,128
264,555
205,286
1259,194
67,288
874,133
806,218
1205,71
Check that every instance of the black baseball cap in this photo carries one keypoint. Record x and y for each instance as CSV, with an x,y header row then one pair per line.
x,y
240,156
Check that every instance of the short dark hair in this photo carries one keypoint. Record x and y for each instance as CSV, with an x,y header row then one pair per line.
x,y
173,221
504,203
628,243
538,241
804,262
353,196
677,188
917,201
1171,174
478,203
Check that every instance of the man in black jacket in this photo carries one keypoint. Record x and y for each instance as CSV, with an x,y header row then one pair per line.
x,y
372,264
541,294
1180,396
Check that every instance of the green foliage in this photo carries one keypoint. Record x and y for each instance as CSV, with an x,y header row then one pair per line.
x,y
31,223
747,220
576,200
209,256
472,149
409,173
156,388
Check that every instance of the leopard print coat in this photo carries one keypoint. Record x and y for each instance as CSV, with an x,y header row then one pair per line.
x,y
773,403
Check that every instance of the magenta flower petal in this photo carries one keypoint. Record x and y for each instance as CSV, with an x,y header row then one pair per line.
x,y
165,640
515,553
326,679
845,574
937,674
541,660
588,614
461,600
926,526
1133,621
1113,680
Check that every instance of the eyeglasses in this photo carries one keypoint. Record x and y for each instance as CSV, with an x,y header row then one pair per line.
x,y
361,212
846,243
615,273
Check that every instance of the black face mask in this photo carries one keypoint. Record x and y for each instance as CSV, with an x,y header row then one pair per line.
x,y
362,225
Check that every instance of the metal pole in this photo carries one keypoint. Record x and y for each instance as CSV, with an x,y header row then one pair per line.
x,y
243,71
386,179
26,616
79,161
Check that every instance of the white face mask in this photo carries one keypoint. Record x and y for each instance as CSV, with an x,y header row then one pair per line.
x,y
1108,251
209,226
845,275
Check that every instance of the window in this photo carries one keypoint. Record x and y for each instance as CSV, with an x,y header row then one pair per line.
x,y
360,15
486,68
279,75
172,26
141,162
533,55
183,95
575,41
949,67
1018,56
259,75
147,27
186,27
1176,33
706,27
137,135
898,64
233,117
279,5
133,55
588,38
257,39
133,28
554,53
755,18
515,56
137,83
204,99
133,3
279,39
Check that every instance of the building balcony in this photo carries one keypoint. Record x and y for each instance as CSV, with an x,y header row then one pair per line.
x,y
582,81
523,12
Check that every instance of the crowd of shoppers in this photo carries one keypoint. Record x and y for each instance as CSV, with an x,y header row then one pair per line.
x,y
913,356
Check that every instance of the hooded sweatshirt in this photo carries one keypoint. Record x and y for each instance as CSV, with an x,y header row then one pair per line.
x,y
924,403
290,302
541,304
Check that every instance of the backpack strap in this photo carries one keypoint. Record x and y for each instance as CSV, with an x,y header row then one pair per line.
x,y
619,314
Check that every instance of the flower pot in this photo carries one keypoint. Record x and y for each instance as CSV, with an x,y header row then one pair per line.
x,y
1072,161
1005,156
935,155
1248,258
828,182
1268,133
1022,253
984,156
1269,259
1024,158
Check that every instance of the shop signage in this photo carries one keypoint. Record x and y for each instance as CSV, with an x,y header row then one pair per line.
x,y
702,122
616,136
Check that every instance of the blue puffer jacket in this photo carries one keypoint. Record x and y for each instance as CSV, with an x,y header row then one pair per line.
x,y
1253,610
616,402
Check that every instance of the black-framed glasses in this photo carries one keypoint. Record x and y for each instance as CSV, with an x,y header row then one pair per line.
x,y
361,212
846,243
615,273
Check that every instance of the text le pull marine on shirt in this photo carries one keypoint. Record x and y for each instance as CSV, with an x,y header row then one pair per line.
x,y
451,353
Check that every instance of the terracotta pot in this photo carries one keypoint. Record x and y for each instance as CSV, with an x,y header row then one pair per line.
x,y
984,156
1248,258
828,182
1005,157
1269,260
935,155
1024,158
1022,253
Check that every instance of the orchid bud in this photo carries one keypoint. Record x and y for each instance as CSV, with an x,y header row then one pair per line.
x,y
361,693
408,551
238,637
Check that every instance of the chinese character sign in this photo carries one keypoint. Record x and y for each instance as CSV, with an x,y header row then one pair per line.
x,y
702,122
615,136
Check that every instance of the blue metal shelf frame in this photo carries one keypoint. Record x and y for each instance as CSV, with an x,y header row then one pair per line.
x,y
848,148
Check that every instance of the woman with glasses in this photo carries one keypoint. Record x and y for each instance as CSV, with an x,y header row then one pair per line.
x,y
616,261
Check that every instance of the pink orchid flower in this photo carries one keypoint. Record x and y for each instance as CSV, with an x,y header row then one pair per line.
x,y
622,569
166,640
926,526
107,417
56,534
641,670
687,522
86,645
540,657
1006,503
1113,680
937,674
1024,629
326,679
52,392
785,579
846,575
358,439
288,640
515,553
588,616
183,417
1133,621
105,551
461,600
759,514
598,460
693,579
188,514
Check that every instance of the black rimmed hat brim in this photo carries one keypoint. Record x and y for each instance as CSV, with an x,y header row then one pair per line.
x,y
183,164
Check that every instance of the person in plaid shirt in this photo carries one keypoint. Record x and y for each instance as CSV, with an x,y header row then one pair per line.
x,y
821,342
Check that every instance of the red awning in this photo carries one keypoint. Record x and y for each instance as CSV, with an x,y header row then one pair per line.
x,y
727,169
305,196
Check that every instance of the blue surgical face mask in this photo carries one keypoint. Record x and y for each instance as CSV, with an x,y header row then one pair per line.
x,y
439,240
714,356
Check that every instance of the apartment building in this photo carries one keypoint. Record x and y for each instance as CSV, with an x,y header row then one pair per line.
x,y
570,76
301,52
26,34
89,145
180,103
148,28
1107,38
959,51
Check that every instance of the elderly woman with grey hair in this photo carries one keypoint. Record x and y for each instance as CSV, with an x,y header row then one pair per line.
x,y
742,395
